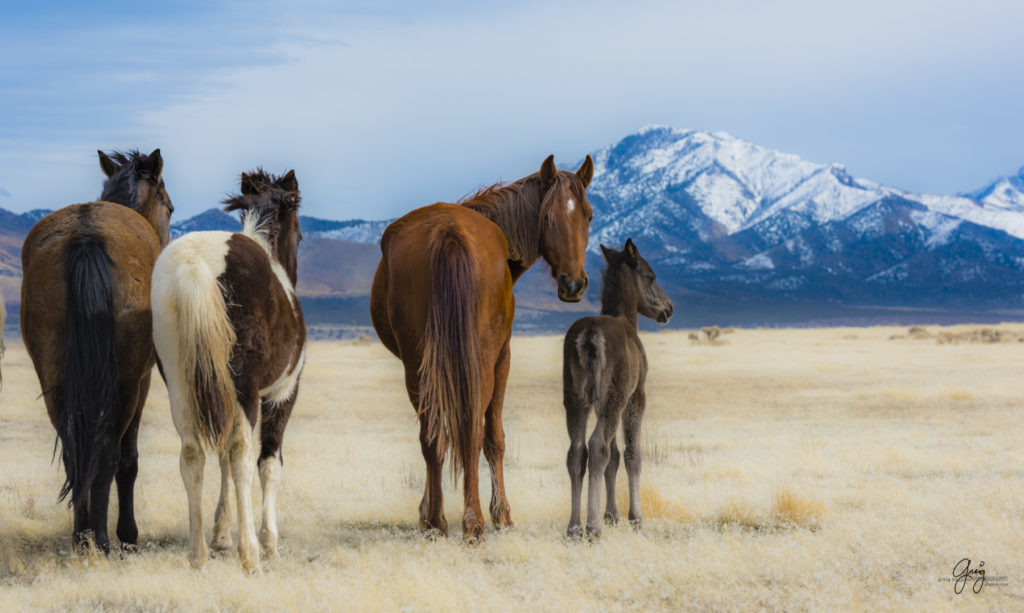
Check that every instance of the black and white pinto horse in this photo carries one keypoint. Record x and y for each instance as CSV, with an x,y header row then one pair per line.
x,y
230,335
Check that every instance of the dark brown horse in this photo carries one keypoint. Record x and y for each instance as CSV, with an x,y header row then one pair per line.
x,y
86,322
442,302
230,334
604,369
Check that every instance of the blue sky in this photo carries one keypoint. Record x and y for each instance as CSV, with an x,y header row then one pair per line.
x,y
385,106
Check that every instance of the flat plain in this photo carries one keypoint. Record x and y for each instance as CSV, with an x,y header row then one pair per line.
x,y
827,469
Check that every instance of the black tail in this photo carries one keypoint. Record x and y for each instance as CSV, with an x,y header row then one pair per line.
x,y
88,406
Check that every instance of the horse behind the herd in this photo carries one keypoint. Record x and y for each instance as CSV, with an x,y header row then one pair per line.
x,y
86,323
230,335
604,368
442,302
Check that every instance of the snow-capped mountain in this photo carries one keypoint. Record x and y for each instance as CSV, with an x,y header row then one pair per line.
x,y
721,215
720,185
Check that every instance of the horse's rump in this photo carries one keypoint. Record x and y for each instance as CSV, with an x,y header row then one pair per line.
x,y
449,386
189,305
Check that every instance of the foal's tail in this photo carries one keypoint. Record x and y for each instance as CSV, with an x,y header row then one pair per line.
x,y
205,339
449,390
88,404
589,374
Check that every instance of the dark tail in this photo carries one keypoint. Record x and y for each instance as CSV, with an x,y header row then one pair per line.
x,y
88,415
449,391
590,373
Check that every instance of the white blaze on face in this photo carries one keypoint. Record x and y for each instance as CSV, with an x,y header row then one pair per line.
x,y
570,204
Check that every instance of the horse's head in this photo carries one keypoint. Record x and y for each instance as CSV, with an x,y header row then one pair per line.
x,y
134,180
565,225
635,280
276,201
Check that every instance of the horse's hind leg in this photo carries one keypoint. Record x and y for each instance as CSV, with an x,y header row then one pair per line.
x,y
128,470
192,460
631,425
109,451
222,516
432,519
576,412
494,444
599,455
611,510
240,455
270,465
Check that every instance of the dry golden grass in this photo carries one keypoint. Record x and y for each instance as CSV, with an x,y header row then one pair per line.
x,y
798,470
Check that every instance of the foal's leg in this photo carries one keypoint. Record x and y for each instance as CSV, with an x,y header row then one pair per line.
x,y
631,425
611,510
240,455
222,516
494,443
127,471
270,464
576,412
599,455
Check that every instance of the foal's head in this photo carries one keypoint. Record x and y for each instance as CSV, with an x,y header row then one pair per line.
x,y
630,285
134,180
276,201
565,216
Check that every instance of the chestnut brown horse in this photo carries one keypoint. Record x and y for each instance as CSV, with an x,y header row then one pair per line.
x,y
442,302
86,323
231,337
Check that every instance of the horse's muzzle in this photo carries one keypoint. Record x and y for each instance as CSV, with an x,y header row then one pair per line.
x,y
665,314
570,289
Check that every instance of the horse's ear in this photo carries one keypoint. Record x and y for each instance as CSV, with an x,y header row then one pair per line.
x,y
631,253
289,182
156,163
248,185
107,165
586,171
609,254
153,167
548,172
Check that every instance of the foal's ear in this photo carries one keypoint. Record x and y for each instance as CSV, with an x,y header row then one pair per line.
x,y
153,167
609,254
248,185
631,253
548,172
586,171
107,165
288,182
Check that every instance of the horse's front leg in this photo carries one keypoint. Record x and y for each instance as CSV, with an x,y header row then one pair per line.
x,y
270,465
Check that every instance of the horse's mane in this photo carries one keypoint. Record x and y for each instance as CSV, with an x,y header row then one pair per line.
x,y
517,208
123,188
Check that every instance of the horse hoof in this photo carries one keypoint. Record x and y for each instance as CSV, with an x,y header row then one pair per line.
x,y
575,532
221,544
129,548
637,525
473,533
198,562
593,533
611,519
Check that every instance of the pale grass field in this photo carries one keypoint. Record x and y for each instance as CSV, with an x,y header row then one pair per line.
x,y
785,470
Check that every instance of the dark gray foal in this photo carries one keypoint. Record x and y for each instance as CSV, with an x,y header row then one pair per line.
x,y
605,367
